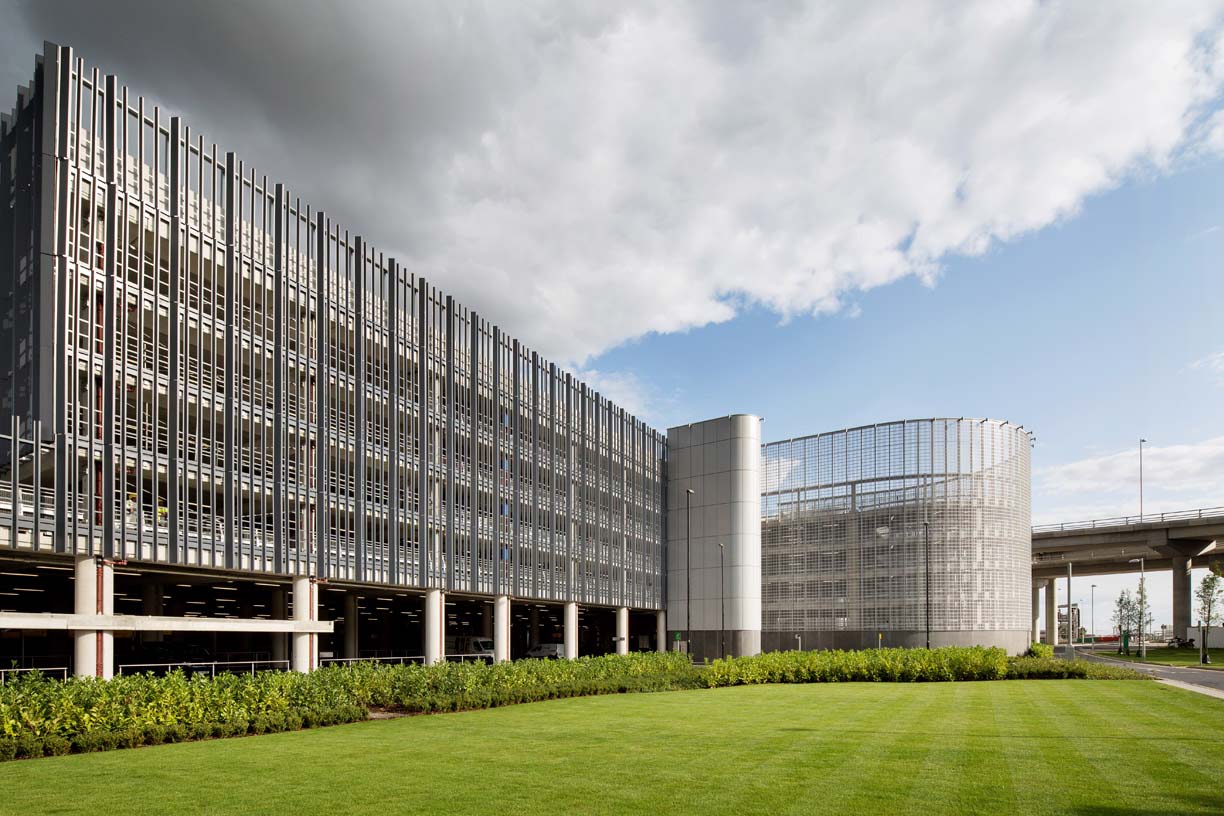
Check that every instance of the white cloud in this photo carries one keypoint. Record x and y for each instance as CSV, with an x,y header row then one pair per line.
x,y
627,390
586,174
1213,363
1176,477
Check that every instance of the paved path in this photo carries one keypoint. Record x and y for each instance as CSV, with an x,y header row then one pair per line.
x,y
1212,679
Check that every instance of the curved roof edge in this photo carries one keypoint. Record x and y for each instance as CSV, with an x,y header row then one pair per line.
x,y
980,420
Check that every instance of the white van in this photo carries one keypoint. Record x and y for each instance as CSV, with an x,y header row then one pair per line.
x,y
466,646
547,651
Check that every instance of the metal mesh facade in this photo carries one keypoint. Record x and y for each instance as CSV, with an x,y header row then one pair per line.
x,y
849,517
208,372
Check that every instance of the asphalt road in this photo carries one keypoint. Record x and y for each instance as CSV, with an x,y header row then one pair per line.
x,y
1212,678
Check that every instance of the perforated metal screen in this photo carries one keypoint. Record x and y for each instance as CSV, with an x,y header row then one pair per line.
x,y
852,518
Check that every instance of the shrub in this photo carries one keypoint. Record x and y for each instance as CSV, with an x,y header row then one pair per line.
x,y
1048,668
949,663
1036,649
87,742
29,746
8,749
55,745
129,737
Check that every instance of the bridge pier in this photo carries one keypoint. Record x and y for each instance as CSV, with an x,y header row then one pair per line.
x,y
1181,595
1051,613
1036,627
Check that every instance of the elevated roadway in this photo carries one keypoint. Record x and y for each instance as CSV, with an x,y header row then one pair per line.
x,y
1166,541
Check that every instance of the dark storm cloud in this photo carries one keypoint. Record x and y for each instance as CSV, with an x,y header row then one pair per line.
x,y
586,174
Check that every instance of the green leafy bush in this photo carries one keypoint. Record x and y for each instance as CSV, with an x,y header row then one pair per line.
x,y
1036,649
39,715
871,665
1049,668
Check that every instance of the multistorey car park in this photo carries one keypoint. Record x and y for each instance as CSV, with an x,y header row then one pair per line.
x,y
212,383
908,533
242,436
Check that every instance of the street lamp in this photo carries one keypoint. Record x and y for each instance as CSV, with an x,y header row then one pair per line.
x,y
688,567
799,640
1142,607
1141,443
722,597
926,544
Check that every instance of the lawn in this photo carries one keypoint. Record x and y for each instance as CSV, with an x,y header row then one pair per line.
x,y
1173,657
1031,747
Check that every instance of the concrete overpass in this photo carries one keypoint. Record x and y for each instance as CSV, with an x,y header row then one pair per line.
x,y
1166,541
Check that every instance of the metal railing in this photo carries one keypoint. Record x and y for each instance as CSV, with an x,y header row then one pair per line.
x,y
1124,521
211,666
450,658
61,671
389,659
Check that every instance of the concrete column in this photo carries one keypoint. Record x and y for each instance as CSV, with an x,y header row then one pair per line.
x,y
1036,635
280,642
533,622
305,608
154,604
571,631
351,615
434,622
94,651
622,630
501,629
1182,595
660,631
1051,613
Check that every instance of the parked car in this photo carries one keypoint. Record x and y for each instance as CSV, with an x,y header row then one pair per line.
x,y
547,651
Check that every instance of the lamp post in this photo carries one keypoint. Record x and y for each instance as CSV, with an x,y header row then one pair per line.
x,y
722,597
799,640
688,567
1142,607
1141,443
926,545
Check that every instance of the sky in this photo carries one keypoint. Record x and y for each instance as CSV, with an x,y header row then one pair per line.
x,y
827,214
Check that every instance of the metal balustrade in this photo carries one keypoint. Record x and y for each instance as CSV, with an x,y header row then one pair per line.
x,y
1126,521
52,671
198,666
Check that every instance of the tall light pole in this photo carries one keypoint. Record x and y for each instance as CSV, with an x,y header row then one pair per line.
x,y
926,546
722,597
688,568
1141,443
1142,607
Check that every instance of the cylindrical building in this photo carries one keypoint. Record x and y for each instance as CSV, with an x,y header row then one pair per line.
x,y
881,534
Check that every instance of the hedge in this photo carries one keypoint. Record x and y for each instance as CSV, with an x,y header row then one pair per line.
x,y
870,665
1036,649
1048,668
40,716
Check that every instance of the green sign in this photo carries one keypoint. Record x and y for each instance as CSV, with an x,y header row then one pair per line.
x,y
677,637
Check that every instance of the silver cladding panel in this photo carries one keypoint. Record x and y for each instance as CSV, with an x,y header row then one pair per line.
x,y
719,460
843,536
238,382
